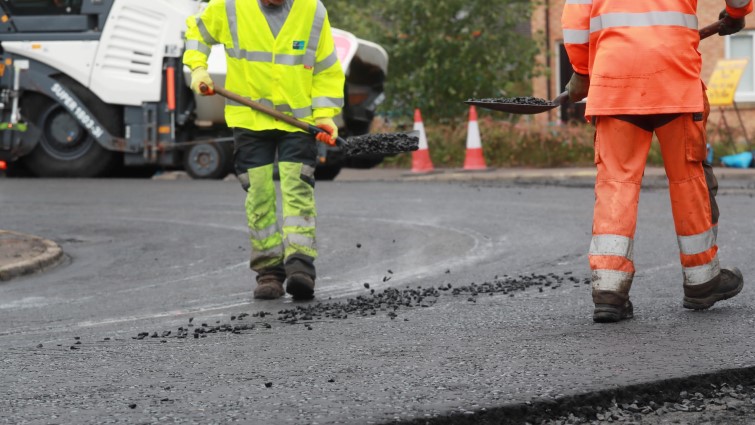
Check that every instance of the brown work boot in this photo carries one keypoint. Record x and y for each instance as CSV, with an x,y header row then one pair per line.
x,y
301,286
611,306
269,287
722,287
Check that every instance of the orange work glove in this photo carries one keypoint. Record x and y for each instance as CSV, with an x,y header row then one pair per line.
x,y
328,125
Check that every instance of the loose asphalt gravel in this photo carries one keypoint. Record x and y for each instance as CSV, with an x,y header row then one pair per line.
x,y
381,143
534,101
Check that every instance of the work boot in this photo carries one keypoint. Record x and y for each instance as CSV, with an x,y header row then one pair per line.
x,y
301,286
611,306
722,287
269,287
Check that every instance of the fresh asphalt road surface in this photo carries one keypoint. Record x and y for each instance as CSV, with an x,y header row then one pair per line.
x,y
146,256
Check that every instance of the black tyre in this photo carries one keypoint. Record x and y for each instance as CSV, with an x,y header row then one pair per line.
x,y
364,161
327,172
208,161
66,149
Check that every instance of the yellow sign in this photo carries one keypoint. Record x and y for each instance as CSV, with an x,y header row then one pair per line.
x,y
724,81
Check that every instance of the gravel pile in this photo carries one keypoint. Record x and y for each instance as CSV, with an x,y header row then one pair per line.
x,y
724,397
380,143
388,302
715,405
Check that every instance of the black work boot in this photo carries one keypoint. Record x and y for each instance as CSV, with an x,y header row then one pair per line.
x,y
269,287
611,306
722,287
301,286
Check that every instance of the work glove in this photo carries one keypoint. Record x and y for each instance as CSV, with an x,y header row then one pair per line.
x,y
578,87
200,76
328,125
729,25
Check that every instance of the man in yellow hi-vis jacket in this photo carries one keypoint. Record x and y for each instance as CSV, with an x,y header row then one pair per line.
x,y
279,53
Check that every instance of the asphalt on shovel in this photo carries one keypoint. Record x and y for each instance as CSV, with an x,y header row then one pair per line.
x,y
384,144
534,105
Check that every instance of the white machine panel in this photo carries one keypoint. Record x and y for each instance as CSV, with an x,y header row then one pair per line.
x,y
73,58
128,65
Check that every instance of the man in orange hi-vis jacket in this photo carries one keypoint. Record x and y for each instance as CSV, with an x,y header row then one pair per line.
x,y
639,61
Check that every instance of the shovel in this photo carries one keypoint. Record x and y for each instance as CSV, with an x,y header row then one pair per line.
x,y
384,144
533,105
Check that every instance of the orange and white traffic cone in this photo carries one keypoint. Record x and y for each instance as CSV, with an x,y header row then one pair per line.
x,y
474,159
421,162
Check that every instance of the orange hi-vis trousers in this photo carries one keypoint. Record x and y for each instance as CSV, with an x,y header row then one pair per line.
x,y
621,149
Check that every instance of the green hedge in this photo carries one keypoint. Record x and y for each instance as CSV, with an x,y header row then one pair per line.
x,y
522,144
504,144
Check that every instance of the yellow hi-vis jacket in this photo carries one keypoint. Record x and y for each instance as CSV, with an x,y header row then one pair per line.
x,y
297,72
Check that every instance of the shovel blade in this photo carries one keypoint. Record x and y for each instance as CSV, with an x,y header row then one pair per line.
x,y
520,105
381,143
513,108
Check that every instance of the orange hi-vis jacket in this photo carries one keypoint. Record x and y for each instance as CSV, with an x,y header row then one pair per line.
x,y
641,55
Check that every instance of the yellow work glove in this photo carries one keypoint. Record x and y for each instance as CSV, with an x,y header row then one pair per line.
x,y
200,76
578,87
330,126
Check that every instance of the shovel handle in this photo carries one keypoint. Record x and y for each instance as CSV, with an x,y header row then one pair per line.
x,y
711,29
309,128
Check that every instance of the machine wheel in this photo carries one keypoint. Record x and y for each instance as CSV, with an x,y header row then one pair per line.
x,y
364,162
208,161
327,172
66,149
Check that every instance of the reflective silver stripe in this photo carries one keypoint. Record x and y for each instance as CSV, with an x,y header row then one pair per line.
x,y
254,56
611,20
205,33
299,221
327,102
326,63
612,245
262,234
282,59
737,3
276,251
230,10
577,36
701,274
259,56
696,244
301,240
578,1
611,280
196,45
308,171
300,113
314,36
244,180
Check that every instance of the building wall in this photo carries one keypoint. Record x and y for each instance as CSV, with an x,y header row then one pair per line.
x,y
712,49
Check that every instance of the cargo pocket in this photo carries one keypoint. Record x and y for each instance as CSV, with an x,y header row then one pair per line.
x,y
694,137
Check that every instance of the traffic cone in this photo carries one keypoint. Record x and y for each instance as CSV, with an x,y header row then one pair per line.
x,y
474,159
421,162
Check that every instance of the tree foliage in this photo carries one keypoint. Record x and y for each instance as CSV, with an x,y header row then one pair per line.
x,y
443,52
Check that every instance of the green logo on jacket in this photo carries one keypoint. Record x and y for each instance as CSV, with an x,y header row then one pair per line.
x,y
299,45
